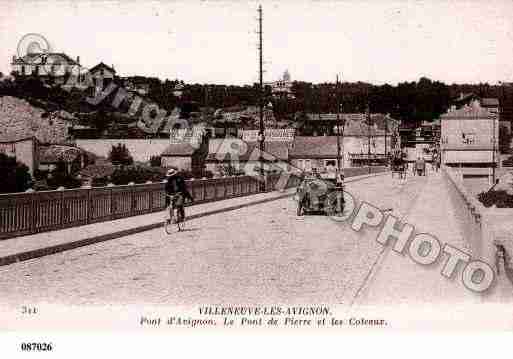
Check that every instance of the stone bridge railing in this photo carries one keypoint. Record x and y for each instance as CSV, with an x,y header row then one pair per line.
x,y
489,231
28,213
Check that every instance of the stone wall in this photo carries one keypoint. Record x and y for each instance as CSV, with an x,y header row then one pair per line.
x,y
488,231
19,119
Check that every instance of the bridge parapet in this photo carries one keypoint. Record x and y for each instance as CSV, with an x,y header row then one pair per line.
x,y
489,231
28,213
35,212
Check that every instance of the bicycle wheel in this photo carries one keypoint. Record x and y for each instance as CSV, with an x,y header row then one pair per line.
x,y
179,221
169,222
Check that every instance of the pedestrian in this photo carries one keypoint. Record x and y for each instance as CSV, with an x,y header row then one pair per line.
x,y
420,166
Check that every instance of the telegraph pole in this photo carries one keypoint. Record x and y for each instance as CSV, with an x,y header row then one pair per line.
x,y
261,137
368,134
338,128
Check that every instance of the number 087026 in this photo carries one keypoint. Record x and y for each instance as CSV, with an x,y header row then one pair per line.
x,y
36,347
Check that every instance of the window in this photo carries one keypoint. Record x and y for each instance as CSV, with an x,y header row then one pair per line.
x,y
308,165
330,163
468,138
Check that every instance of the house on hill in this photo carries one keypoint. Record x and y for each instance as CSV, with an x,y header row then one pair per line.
x,y
52,67
102,76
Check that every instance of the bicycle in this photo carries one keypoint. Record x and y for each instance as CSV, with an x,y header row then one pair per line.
x,y
175,203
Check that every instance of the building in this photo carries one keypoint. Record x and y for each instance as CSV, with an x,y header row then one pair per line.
x,y
282,87
184,156
51,67
381,132
469,139
320,152
50,156
420,140
228,122
503,108
137,84
187,150
101,76
233,155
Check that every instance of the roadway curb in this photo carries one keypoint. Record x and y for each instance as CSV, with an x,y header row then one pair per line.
x,y
41,252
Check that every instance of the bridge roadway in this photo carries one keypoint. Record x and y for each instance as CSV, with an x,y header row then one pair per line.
x,y
261,254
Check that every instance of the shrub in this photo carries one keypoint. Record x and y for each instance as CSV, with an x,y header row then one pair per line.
x,y
119,155
15,175
499,198
137,174
508,162
59,177
155,161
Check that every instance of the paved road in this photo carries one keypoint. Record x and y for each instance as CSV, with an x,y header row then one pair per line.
x,y
261,254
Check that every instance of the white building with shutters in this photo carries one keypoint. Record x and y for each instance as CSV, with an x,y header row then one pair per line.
x,y
469,139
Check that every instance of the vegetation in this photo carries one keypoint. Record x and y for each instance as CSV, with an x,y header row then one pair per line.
x,y
119,155
137,174
499,198
15,175
155,161
415,101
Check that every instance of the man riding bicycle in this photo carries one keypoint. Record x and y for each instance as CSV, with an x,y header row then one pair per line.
x,y
176,191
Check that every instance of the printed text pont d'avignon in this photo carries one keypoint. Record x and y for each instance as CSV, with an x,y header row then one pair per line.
x,y
262,316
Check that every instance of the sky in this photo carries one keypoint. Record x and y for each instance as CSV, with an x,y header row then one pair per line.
x,y
377,41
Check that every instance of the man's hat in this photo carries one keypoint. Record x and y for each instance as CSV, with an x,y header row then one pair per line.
x,y
171,172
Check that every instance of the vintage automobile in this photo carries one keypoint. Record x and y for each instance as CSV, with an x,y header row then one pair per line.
x,y
321,195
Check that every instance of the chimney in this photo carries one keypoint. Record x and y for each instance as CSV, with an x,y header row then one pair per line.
x,y
78,60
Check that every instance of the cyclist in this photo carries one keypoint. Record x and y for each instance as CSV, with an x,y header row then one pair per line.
x,y
175,187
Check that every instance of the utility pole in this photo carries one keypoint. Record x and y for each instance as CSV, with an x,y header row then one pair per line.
x,y
386,132
368,135
338,128
261,137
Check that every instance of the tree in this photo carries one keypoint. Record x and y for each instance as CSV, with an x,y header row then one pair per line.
x,y
119,155
59,177
15,175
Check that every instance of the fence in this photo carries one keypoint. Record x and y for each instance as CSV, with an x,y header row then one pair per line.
x,y
28,213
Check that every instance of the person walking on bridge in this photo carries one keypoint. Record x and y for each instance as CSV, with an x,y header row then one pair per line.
x,y
420,166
